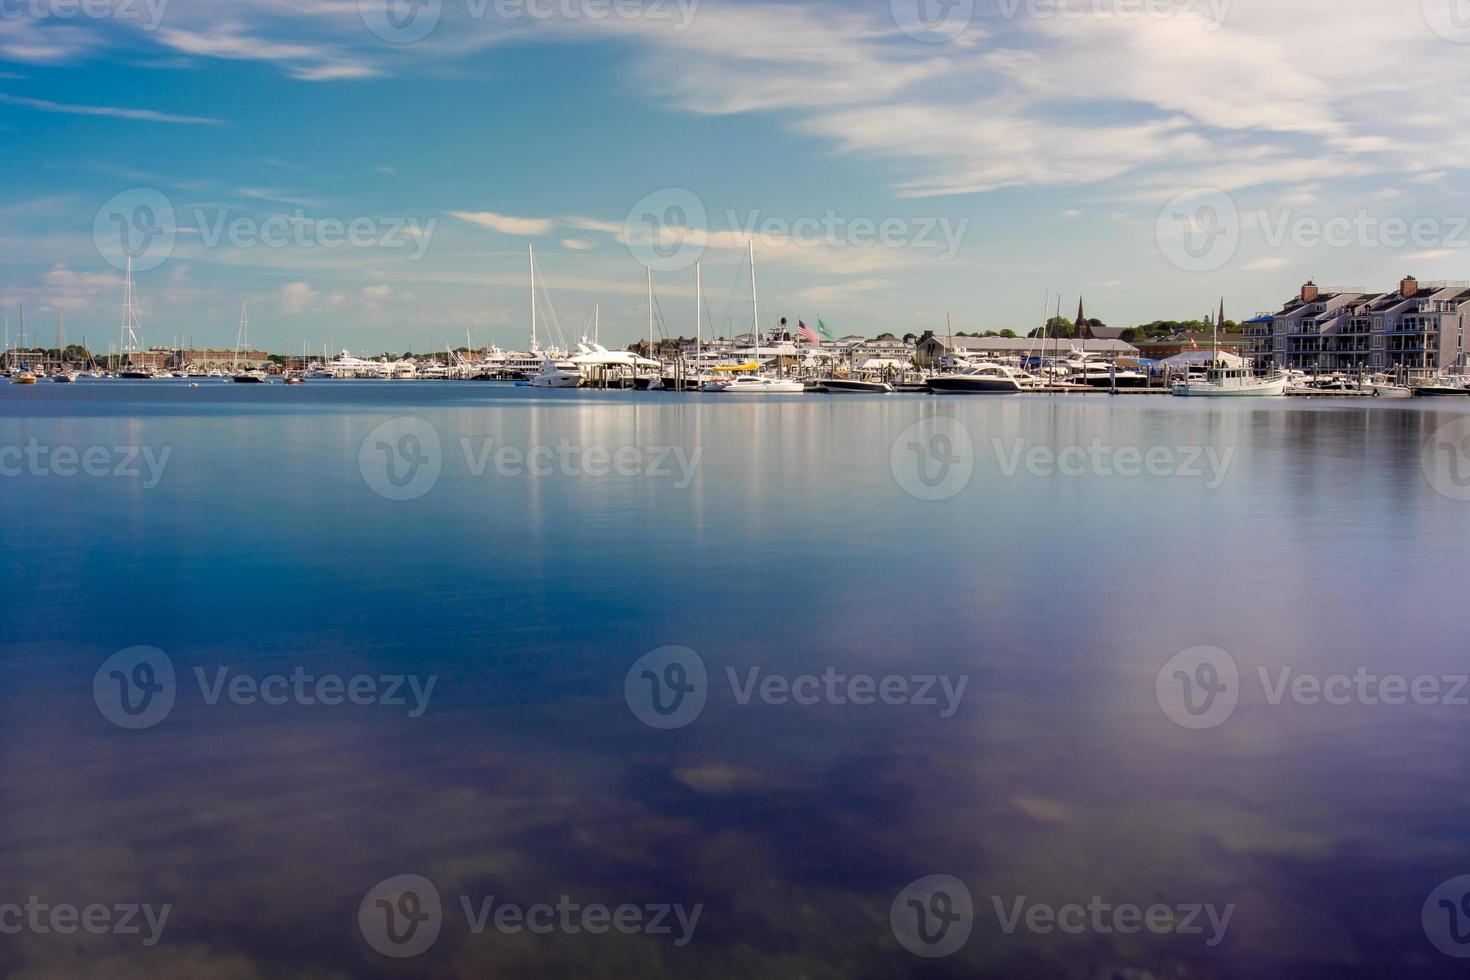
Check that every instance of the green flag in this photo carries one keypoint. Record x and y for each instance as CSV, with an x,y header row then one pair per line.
x,y
822,329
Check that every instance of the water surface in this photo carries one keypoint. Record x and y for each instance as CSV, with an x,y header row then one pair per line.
x,y
268,544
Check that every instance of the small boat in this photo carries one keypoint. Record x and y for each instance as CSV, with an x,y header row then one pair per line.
x,y
756,385
1232,382
1229,376
1388,390
242,340
64,377
294,380
985,378
24,378
1441,389
856,386
557,374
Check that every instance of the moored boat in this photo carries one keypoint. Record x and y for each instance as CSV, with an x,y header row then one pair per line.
x,y
856,386
984,378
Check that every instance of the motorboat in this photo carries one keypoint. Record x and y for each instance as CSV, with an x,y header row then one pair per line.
x,y
1107,374
557,374
1226,380
1230,376
856,386
983,378
1442,388
64,377
250,378
24,378
754,384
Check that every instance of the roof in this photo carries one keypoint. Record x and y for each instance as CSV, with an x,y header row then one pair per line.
x,y
1020,345
1204,357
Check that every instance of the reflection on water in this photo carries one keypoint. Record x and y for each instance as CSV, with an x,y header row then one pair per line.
x,y
790,548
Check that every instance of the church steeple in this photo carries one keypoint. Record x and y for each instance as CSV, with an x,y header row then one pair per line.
x,y
1084,332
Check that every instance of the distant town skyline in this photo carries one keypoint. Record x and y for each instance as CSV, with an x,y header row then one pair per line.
x,y
369,175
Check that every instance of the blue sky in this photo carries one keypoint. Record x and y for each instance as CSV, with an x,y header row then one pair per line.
x,y
893,172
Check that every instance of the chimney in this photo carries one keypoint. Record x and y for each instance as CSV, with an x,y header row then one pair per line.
x,y
1409,288
1310,292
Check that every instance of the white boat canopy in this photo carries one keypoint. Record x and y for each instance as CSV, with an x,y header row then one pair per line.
x,y
1204,356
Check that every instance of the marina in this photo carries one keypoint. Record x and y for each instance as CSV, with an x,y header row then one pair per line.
x,y
618,490
783,361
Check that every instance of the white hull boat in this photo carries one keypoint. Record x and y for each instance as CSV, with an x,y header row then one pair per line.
x,y
1225,385
762,386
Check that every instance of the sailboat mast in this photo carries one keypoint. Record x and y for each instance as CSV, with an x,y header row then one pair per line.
x,y
534,345
698,312
755,309
1217,327
649,270
240,334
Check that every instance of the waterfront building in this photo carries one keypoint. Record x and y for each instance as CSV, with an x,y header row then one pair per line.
x,y
932,348
1418,329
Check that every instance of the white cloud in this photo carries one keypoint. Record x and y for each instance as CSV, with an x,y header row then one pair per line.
x,y
297,297
577,245
114,112
505,224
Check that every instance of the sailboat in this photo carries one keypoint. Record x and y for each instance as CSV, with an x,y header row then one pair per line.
x,y
1224,379
755,383
25,377
129,340
250,377
63,375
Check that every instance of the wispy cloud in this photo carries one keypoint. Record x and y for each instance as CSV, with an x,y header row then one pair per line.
x,y
505,224
111,112
277,197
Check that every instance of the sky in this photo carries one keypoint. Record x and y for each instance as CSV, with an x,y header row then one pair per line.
x,y
369,174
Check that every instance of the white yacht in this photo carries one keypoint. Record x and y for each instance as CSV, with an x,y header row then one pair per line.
x,y
344,365
557,374
1096,372
1228,376
755,385
620,365
983,378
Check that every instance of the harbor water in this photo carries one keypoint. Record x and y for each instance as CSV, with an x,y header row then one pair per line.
x,y
423,630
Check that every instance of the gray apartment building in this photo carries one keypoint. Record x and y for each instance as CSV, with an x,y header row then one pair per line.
x,y
1418,330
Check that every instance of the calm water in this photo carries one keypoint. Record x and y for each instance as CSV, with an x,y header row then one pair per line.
x,y
267,541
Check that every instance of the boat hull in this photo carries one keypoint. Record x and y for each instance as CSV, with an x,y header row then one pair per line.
x,y
1263,389
848,387
974,386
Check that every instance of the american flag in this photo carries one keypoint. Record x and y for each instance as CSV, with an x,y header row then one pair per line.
x,y
808,333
